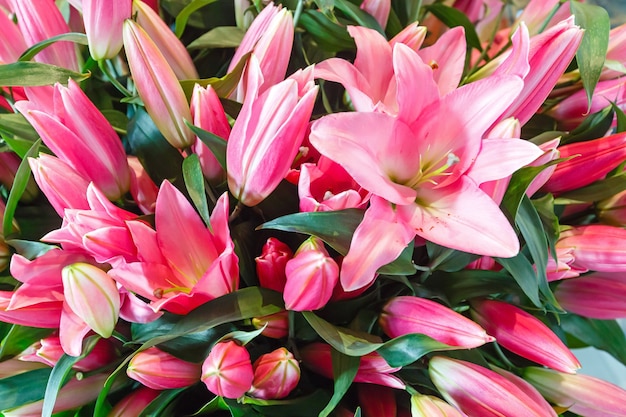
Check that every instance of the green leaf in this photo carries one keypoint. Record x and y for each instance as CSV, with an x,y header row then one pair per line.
x,y
158,405
359,16
31,74
223,86
29,54
404,350
161,160
22,176
243,337
60,372
328,35
333,227
301,406
606,335
194,180
13,394
344,370
466,284
592,50
621,118
545,209
346,341
452,17
216,144
596,191
593,127
403,265
117,119
446,259
15,124
524,274
30,249
19,338
183,16
219,37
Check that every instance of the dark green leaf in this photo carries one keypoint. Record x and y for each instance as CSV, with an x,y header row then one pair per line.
x,y
593,127
219,37
161,160
346,341
31,74
117,119
216,144
606,335
158,405
301,406
446,259
22,177
406,349
592,50
545,209
15,124
194,180
452,17
467,284
13,394
621,118
333,227
359,16
60,373
19,338
403,265
30,249
329,36
524,274
29,54
183,16
344,370
597,191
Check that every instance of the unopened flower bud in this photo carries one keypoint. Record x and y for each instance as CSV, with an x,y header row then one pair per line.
x,y
276,374
227,371
159,370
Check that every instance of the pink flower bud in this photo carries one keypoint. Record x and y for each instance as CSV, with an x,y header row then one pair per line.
x,y
270,266
103,25
158,86
142,188
159,370
406,314
49,351
227,371
596,247
93,296
478,391
373,369
311,277
276,374
376,400
134,403
524,334
170,46
613,210
581,394
379,9
596,295
275,326
429,406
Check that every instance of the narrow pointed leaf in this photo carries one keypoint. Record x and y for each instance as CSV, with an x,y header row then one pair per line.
x,y
13,394
216,144
29,54
606,335
16,124
160,403
524,274
344,370
31,74
406,349
358,15
219,37
223,86
592,50
19,338
183,16
597,191
194,180
452,17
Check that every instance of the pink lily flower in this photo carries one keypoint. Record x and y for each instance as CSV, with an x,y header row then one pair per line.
x,y
81,136
49,351
406,314
373,369
478,391
175,275
166,41
40,20
268,133
535,14
61,184
158,86
598,295
426,162
270,38
103,25
580,394
524,334
596,247
379,9
326,186
12,43
208,114
142,188
160,370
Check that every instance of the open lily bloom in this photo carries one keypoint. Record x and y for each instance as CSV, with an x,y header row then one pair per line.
x,y
425,166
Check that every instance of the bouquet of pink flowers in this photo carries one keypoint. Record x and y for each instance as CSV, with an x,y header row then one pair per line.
x,y
312,208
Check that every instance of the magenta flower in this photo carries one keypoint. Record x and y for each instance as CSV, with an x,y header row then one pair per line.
x,y
276,374
270,266
267,134
407,314
159,370
78,133
227,371
599,295
596,247
103,25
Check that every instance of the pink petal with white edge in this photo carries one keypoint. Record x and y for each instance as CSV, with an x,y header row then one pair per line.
x,y
499,158
174,216
373,140
443,218
378,240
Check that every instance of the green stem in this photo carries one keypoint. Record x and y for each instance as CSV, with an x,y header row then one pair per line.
x,y
105,70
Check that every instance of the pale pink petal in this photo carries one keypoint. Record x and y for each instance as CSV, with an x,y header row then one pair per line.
x,y
341,71
145,240
145,279
447,59
72,331
378,240
444,218
135,310
499,158
373,59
